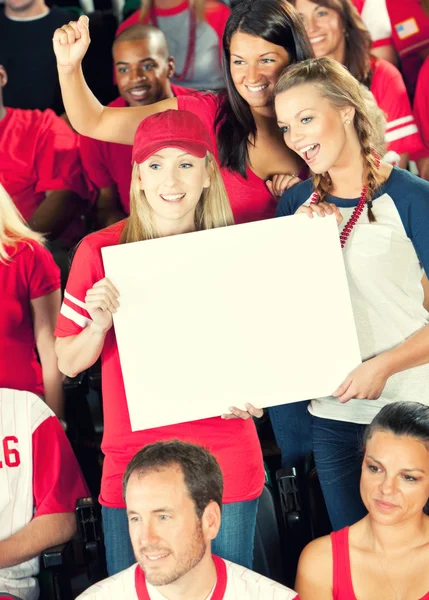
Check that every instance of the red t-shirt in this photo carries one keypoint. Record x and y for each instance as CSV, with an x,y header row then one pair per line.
x,y
30,274
391,96
39,153
234,442
250,198
421,103
106,164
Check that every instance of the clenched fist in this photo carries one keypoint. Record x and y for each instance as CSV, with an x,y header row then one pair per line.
x,y
71,42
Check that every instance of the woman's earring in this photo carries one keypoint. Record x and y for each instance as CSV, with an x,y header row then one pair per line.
x,y
347,121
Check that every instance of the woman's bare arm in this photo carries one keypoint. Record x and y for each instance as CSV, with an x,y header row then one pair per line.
x,y
84,111
315,571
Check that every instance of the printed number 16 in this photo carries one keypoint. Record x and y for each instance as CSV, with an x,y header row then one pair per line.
x,y
11,455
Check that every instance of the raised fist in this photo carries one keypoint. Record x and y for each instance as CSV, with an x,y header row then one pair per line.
x,y
71,42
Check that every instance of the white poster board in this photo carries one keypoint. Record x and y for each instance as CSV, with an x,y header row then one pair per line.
x,y
255,313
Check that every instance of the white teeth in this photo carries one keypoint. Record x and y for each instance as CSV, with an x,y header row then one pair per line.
x,y
316,40
156,557
138,92
307,148
257,89
172,197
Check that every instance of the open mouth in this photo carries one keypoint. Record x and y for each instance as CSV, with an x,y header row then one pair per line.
x,y
156,557
317,40
172,197
139,93
310,152
258,88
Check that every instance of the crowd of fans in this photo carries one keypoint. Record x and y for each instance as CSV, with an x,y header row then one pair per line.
x,y
223,115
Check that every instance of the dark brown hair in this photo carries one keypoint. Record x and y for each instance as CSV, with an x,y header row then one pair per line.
x,y
201,471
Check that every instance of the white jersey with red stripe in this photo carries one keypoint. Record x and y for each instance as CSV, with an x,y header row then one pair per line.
x,y
233,583
18,420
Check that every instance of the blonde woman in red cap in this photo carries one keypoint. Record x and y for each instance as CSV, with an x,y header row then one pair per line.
x,y
176,188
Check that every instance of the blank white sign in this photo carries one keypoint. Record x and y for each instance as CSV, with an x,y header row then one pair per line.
x,y
255,313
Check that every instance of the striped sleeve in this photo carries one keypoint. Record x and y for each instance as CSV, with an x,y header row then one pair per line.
x,y
402,135
86,269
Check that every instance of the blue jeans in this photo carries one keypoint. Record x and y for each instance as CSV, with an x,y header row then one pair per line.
x,y
338,457
292,429
234,541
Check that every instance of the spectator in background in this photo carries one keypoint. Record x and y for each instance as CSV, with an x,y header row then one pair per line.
x,y
41,482
143,69
421,112
173,492
26,31
40,169
336,30
31,299
194,31
398,29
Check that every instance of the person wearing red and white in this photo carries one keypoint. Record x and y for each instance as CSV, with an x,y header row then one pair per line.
x,y
176,188
41,482
173,493
421,113
399,26
194,30
31,299
143,69
40,169
336,30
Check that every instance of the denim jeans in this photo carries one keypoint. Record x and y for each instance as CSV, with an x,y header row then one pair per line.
x,y
292,429
234,541
338,457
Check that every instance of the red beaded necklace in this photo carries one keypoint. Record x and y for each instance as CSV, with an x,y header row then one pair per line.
x,y
344,236
188,68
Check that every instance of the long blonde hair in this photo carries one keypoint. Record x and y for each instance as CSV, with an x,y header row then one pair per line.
x,y
13,228
340,87
197,5
213,210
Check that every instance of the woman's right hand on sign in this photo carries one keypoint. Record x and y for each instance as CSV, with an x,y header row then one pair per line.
x,y
322,209
71,42
101,302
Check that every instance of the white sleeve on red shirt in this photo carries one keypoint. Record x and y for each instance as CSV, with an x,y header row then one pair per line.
x,y
377,20
390,93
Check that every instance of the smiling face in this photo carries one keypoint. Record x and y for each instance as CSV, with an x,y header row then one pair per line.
x,y
395,477
173,181
168,538
324,29
255,68
312,127
143,70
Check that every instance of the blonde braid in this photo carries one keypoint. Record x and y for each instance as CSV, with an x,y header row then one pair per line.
x,y
372,176
322,185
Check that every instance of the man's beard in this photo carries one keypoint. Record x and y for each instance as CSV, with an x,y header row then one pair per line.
x,y
189,559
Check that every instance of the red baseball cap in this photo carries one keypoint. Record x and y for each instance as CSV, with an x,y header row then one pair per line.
x,y
171,129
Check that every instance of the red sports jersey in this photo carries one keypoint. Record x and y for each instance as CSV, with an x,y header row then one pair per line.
x,y
389,91
39,475
421,103
39,153
234,442
30,274
403,24
106,164
233,583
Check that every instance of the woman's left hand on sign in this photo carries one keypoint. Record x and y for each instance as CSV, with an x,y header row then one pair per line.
x,y
237,413
366,382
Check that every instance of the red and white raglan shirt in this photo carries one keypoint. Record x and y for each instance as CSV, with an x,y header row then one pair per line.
x,y
206,73
233,583
29,274
403,24
234,442
39,153
402,135
39,475
107,164
421,103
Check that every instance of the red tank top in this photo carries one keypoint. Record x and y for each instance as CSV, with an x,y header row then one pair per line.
x,y
342,580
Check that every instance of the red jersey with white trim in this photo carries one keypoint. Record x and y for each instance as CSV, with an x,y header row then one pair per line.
x,y
39,153
234,442
107,164
405,25
31,273
421,103
388,88
233,583
39,475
